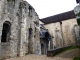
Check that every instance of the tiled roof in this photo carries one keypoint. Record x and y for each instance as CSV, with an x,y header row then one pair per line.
x,y
59,17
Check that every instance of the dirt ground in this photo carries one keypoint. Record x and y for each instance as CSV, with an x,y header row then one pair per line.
x,y
69,55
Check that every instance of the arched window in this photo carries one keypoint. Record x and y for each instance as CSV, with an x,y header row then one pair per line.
x,y
6,31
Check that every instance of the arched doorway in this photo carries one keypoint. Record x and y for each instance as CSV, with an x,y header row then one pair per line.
x,y
6,31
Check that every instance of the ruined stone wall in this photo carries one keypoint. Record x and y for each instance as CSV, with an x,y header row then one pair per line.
x,y
22,17
63,33
8,13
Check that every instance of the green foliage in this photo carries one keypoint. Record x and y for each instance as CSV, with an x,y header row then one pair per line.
x,y
76,58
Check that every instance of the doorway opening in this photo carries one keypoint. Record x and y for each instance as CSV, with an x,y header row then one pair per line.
x,y
6,31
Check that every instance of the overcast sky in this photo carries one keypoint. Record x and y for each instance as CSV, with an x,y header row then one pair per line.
x,y
46,8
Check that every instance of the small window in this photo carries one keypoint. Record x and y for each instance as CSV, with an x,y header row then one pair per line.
x,y
30,30
30,11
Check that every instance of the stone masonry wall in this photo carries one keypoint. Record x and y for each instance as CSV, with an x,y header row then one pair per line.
x,y
21,16
64,34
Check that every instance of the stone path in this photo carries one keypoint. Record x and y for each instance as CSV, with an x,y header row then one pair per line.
x,y
69,55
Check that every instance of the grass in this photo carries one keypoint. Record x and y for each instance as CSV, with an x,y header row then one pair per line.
x,y
70,48
76,58
73,47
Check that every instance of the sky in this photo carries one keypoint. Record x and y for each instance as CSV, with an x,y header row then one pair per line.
x,y
46,8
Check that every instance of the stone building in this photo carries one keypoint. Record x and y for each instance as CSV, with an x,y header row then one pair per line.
x,y
63,27
19,29
22,34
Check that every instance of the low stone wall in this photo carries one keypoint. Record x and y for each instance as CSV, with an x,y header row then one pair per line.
x,y
51,53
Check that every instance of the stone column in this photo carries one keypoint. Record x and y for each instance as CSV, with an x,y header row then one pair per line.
x,y
37,45
51,44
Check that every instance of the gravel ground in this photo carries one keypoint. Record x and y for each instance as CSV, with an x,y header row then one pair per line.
x,y
69,55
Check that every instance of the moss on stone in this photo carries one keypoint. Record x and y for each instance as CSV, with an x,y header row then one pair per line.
x,y
76,58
